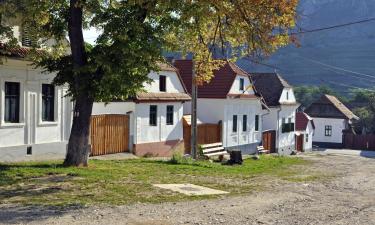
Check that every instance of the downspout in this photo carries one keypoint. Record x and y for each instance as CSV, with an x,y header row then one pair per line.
x,y
278,130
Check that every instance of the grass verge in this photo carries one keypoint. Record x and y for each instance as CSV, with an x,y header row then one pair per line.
x,y
130,181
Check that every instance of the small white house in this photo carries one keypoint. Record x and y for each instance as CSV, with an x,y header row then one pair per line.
x,y
230,98
304,132
155,116
35,117
280,120
331,118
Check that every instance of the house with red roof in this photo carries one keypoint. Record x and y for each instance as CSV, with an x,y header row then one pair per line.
x,y
305,128
229,97
35,115
155,115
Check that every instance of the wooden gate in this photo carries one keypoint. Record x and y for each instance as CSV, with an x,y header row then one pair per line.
x,y
207,134
299,143
359,142
109,134
269,140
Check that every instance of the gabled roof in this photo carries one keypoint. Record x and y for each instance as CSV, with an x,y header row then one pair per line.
x,y
16,52
329,106
270,86
302,120
220,84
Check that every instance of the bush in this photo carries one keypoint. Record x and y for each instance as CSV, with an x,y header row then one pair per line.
x,y
178,158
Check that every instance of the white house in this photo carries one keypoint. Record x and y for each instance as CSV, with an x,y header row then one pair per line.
x,y
230,98
331,118
35,117
304,132
280,120
155,126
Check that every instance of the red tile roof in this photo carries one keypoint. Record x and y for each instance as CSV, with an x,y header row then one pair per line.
x,y
302,120
220,84
17,52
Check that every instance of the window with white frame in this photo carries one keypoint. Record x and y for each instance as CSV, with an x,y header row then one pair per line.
x,y
48,102
153,115
244,123
242,84
170,114
307,138
328,130
234,124
12,102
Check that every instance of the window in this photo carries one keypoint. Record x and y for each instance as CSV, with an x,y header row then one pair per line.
x,y
328,130
162,83
48,102
307,138
12,102
169,114
27,39
242,84
287,127
153,115
244,123
287,95
283,126
256,122
234,126
291,125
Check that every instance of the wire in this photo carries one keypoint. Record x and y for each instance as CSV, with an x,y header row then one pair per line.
x,y
333,27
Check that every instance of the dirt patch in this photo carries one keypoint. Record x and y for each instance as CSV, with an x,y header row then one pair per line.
x,y
345,197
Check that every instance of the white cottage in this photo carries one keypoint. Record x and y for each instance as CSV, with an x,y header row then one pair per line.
x,y
230,98
279,122
304,132
331,118
155,116
35,117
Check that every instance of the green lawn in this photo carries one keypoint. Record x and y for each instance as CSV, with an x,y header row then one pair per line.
x,y
130,181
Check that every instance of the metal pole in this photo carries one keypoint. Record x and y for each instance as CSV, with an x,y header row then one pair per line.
x,y
194,93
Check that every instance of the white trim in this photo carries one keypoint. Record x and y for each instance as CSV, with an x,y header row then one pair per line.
x,y
55,122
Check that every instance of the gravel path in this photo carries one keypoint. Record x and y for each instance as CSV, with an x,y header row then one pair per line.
x,y
348,198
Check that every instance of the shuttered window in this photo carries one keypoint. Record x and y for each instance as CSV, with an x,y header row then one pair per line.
x,y
12,102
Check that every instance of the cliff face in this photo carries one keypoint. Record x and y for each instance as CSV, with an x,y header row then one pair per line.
x,y
350,48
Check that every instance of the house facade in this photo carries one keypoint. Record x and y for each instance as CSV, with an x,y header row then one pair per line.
x,y
281,102
35,117
228,98
305,128
331,118
155,116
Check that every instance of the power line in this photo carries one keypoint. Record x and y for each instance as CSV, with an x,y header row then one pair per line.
x,y
333,27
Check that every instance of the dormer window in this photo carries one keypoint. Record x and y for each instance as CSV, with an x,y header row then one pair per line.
x,y
162,83
27,39
242,84
287,95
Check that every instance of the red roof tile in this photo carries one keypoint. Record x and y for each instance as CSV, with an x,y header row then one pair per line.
x,y
302,120
220,84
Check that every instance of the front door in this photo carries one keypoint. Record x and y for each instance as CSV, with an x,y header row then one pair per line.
x,y
269,140
299,143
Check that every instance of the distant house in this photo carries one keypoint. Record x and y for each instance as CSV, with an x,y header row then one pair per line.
x,y
230,98
279,122
331,118
155,116
304,132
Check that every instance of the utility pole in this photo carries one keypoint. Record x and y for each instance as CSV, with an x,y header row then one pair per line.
x,y
194,94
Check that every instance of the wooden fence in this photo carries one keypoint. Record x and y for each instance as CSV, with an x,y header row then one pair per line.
x,y
109,134
207,134
360,142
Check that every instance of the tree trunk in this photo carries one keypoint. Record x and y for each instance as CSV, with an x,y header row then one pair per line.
x,y
78,147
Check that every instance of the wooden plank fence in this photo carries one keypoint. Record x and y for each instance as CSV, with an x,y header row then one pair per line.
x,y
109,134
360,142
207,134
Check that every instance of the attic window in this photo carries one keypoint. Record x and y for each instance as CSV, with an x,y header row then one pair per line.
x,y
242,84
287,95
26,38
162,83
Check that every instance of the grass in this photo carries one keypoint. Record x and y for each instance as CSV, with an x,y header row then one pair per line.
x,y
130,181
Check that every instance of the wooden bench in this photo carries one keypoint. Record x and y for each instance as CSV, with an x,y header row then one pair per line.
x,y
214,149
261,150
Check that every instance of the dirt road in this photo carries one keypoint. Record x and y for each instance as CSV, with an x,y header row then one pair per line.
x,y
346,198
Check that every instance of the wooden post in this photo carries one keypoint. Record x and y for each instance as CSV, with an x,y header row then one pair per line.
x,y
194,93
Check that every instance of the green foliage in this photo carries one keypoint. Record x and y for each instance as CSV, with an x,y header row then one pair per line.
x,y
363,102
308,94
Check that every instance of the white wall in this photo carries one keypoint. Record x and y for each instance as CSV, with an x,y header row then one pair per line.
x,y
307,145
235,89
173,83
100,108
269,119
31,129
162,132
338,125
286,140
287,96
240,108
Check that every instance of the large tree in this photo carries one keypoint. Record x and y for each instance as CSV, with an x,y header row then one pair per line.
x,y
133,36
